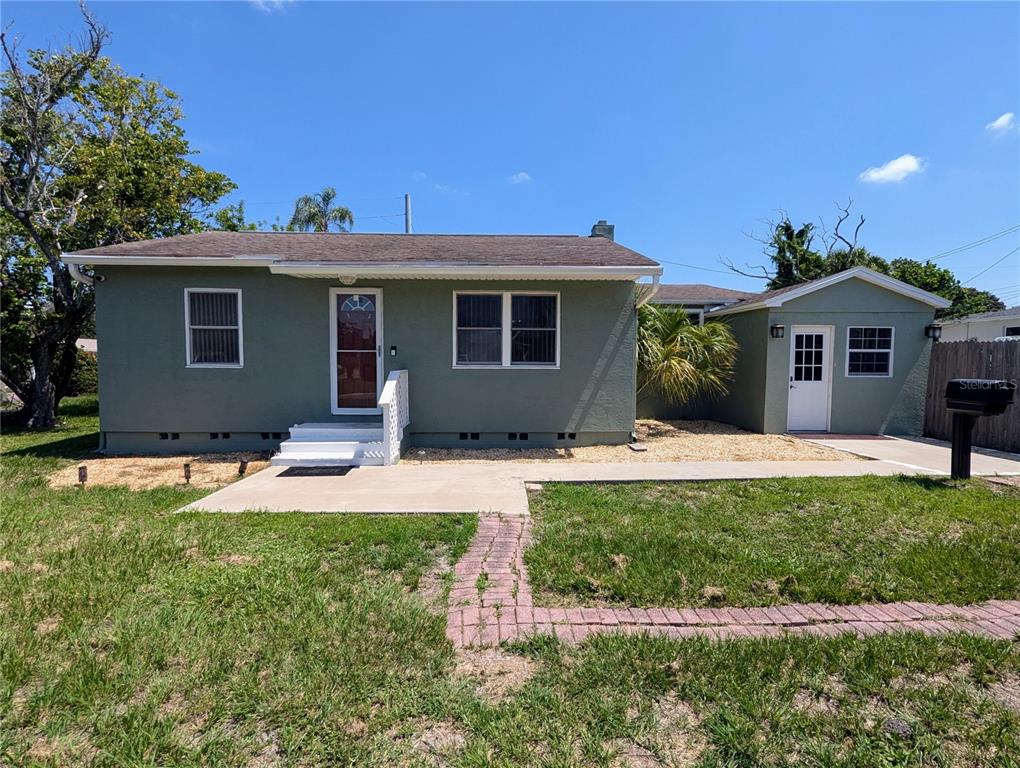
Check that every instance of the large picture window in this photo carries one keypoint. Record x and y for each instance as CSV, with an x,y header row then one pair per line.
x,y
213,320
506,329
869,351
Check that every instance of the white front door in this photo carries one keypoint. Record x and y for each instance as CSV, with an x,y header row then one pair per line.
x,y
355,349
810,374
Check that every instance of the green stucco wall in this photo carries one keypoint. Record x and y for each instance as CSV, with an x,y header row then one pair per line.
x,y
860,405
145,387
744,406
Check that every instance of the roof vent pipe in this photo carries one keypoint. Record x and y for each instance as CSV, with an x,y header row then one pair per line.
x,y
603,229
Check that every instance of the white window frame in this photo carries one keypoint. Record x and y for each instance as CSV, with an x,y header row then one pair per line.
x,y
506,333
188,328
1007,334
891,351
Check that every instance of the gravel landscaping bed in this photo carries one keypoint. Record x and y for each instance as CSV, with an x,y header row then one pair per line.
x,y
139,473
664,440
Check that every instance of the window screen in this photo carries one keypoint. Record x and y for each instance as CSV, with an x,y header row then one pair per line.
x,y
479,329
533,330
869,352
214,327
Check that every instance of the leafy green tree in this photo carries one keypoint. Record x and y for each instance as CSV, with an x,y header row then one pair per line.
x,y
89,157
680,361
231,218
795,259
316,213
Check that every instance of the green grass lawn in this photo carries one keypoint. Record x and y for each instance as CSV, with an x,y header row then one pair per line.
x,y
133,636
764,542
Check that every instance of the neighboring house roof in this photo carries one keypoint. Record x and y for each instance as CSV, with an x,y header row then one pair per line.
x,y
1006,314
780,296
382,254
87,345
697,293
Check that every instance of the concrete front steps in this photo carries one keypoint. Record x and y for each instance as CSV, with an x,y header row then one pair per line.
x,y
332,444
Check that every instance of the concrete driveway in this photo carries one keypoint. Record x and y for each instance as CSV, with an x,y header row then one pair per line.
x,y
500,486
918,455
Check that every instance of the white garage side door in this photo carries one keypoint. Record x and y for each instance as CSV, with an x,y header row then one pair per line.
x,y
810,376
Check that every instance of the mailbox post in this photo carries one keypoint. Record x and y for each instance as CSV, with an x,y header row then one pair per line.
x,y
967,399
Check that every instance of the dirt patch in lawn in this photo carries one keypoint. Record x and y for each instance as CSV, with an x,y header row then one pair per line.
x,y
139,473
662,440
498,673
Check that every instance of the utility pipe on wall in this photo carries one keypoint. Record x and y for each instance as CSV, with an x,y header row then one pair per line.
x,y
76,274
648,291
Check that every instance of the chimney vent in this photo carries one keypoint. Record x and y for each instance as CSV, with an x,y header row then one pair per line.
x,y
602,229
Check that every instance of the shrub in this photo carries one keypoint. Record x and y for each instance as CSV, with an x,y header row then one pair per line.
x,y
85,379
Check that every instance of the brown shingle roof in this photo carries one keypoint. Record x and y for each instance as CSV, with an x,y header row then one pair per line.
x,y
698,293
479,250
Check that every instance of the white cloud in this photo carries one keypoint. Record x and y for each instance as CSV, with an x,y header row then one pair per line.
x,y
519,178
1003,123
269,6
895,170
419,175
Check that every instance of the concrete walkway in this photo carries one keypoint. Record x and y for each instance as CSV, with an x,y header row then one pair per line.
x,y
918,455
491,602
499,486
492,487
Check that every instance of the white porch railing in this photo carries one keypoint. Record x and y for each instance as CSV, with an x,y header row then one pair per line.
x,y
395,415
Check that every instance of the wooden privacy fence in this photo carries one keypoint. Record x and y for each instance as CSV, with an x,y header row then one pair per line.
x,y
974,360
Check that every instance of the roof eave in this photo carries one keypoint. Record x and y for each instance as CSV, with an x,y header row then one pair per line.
x,y
862,273
167,261
413,271
408,270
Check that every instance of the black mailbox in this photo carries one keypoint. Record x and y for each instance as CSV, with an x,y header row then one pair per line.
x,y
967,399
979,397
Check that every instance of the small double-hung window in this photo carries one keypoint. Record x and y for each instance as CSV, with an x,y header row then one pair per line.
x,y
506,330
869,351
213,320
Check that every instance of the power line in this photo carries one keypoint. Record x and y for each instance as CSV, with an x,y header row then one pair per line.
x,y
994,263
975,244
703,269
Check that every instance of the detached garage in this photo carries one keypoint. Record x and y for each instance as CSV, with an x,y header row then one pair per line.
x,y
846,353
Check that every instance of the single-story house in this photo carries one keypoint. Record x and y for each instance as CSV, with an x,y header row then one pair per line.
x,y
985,326
356,345
846,353
697,298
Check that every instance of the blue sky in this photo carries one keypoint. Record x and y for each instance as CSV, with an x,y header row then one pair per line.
x,y
684,124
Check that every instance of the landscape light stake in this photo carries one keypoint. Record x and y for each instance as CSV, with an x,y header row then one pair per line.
x,y
187,472
83,475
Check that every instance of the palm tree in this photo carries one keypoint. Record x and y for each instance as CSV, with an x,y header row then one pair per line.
x,y
680,361
316,213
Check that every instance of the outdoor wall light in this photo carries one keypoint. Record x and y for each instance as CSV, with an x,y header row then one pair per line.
x,y
777,331
932,331
393,351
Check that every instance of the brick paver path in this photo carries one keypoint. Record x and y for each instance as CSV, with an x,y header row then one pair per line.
x,y
491,602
